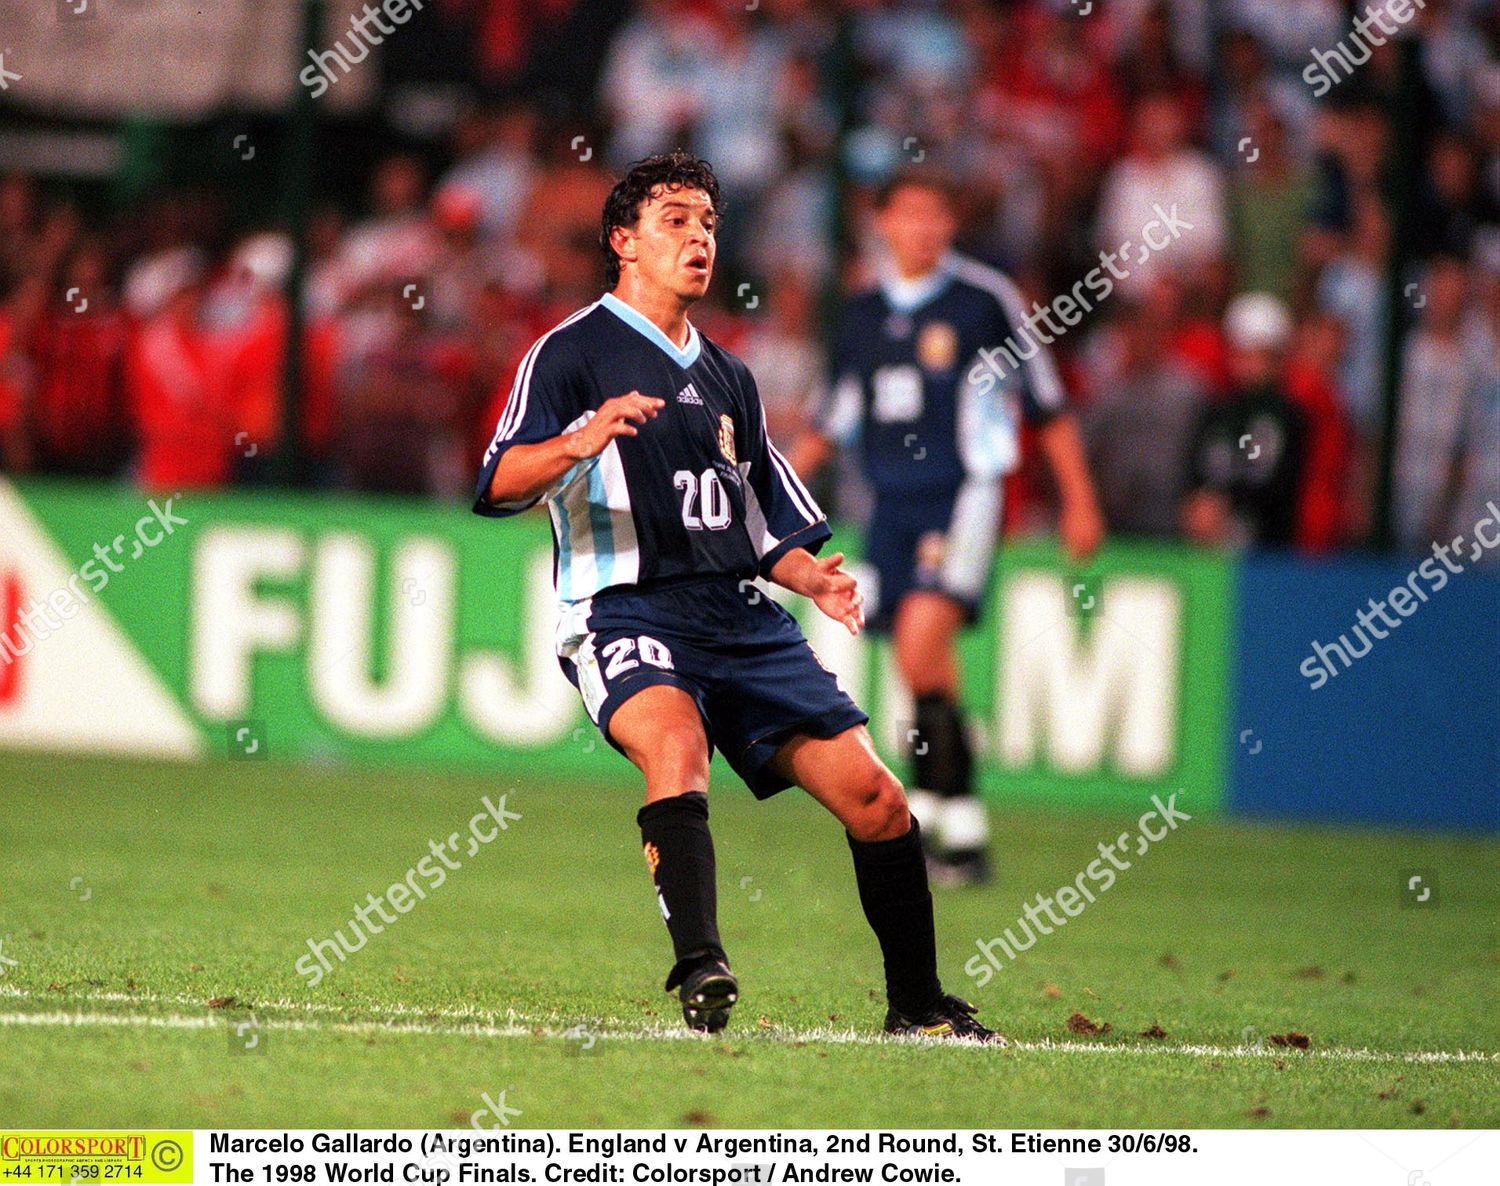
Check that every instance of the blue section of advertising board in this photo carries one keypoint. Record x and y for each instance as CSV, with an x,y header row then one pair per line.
x,y
1407,733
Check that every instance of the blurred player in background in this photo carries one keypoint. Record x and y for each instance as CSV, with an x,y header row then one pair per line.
x,y
647,443
935,425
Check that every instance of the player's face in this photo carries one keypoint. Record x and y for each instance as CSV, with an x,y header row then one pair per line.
x,y
673,242
918,227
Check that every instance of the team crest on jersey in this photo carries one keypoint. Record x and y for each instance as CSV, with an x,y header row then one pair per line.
x,y
726,438
937,346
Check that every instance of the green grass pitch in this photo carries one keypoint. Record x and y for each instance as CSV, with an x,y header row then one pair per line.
x,y
135,894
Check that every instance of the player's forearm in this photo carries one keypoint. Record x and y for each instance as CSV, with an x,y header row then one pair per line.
x,y
797,571
526,472
1063,444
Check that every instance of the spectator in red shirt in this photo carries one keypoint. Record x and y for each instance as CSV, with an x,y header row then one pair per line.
x,y
78,424
253,352
1325,496
1191,337
14,453
174,381
1061,96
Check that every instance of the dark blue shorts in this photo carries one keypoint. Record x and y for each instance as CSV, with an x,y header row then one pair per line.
x,y
942,541
740,656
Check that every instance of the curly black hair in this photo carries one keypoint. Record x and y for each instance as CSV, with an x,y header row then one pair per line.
x,y
666,172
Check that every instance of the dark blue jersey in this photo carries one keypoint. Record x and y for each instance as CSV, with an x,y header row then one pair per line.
x,y
911,391
700,492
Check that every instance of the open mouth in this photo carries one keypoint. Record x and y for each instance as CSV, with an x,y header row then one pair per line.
x,y
698,264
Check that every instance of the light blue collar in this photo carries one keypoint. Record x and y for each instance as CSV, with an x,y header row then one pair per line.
x,y
649,330
906,295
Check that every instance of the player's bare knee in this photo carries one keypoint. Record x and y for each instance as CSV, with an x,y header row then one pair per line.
x,y
676,751
911,660
893,807
882,812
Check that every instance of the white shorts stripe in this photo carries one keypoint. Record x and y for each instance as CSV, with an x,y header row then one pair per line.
x,y
973,532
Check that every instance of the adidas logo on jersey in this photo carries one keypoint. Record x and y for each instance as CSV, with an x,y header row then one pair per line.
x,y
689,395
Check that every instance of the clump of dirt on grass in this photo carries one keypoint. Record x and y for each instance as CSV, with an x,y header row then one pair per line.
x,y
1292,1038
1087,1026
1155,1031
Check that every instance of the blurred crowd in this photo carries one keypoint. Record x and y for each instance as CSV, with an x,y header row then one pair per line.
x,y
1230,387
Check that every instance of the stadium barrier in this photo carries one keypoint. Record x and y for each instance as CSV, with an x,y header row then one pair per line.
x,y
248,626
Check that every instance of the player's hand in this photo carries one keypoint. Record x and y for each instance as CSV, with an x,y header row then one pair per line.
x,y
837,593
616,417
1081,526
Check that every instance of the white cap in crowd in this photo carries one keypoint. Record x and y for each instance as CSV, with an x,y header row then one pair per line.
x,y
1257,321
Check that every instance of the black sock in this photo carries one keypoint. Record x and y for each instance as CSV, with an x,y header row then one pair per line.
x,y
680,855
892,878
941,759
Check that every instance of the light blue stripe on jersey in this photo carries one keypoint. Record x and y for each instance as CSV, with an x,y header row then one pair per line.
x,y
594,541
564,553
601,528
638,321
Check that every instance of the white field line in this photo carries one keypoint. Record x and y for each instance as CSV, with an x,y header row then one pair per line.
x,y
652,1033
465,1013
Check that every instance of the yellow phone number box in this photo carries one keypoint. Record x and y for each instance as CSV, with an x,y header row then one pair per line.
x,y
131,1156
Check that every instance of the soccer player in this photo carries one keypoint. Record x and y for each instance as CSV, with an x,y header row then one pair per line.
x,y
935,423
647,445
